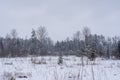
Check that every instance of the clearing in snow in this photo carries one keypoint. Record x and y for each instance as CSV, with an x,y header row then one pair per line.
x,y
47,68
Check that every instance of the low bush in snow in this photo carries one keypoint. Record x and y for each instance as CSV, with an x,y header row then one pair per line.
x,y
36,61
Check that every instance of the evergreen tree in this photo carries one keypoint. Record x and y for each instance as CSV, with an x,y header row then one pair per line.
x,y
118,50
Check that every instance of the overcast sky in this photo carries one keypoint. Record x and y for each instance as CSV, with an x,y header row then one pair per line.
x,y
62,18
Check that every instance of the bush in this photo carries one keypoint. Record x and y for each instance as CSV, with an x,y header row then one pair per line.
x,y
60,59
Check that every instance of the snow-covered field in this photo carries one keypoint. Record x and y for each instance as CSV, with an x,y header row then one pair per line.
x,y
46,68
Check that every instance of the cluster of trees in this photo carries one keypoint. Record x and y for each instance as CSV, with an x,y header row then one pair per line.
x,y
40,44
85,42
37,44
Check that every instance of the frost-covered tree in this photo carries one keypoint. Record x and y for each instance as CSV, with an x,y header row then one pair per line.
x,y
60,59
13,43
41,36
86,33
1,47
49,45
76,39
33,43
14,33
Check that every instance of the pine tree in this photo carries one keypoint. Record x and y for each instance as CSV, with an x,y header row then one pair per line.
x,y
60,59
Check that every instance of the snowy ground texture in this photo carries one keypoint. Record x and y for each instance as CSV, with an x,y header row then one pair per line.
x,y
46,68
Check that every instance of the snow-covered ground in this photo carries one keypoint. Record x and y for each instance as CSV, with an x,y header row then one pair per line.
x,y
46,68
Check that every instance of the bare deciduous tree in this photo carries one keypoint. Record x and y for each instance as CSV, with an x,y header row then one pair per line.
x,y
86,33
77,36
14,33
42,36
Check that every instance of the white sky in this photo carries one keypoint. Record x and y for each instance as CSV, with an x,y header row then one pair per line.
x,y
62,18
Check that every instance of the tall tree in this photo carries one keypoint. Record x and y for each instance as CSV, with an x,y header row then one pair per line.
x,y
13,42
41,36
77,38
1,47
14,33
86,33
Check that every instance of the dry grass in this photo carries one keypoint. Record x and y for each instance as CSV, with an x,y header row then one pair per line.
x,y
36,61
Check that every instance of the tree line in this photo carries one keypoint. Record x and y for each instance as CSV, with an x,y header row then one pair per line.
x,y
39,44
